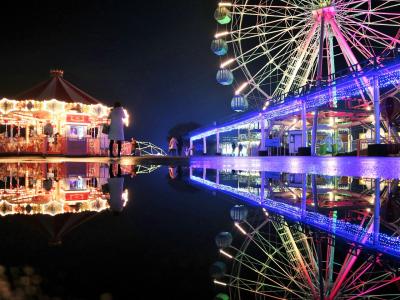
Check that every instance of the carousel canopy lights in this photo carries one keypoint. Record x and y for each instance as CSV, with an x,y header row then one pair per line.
x,y
7,105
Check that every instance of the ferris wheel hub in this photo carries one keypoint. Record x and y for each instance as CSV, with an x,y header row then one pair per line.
x,y
328,12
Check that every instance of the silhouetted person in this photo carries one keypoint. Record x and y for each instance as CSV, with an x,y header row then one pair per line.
x,y
134,146
116,132
173,146
233,148
240,149
116,189
173,172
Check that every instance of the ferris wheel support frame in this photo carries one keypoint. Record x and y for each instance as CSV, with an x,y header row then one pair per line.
x,y
326,16
319,78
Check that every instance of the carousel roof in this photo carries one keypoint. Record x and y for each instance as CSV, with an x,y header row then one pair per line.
x,y
57,88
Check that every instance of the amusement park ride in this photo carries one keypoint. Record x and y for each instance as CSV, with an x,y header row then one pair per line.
x,y
283,58
57,118
306,236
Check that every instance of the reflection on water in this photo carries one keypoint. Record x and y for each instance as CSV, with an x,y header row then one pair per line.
x,y
292,236
54,189
71,193
301,236
57,198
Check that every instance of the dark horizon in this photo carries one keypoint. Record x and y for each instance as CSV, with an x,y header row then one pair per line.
x,y
155,58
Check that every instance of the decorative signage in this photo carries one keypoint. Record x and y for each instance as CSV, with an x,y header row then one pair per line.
x,y
77,118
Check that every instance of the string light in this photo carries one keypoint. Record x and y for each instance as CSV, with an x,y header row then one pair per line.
x,y
345,87
352,232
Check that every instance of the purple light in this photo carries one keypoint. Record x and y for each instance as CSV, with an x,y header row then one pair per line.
x,y
351,232
345,88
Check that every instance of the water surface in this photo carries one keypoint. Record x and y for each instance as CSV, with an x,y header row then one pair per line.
x,y
274,228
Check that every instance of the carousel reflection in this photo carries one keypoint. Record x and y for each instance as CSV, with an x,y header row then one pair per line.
x,y
61,196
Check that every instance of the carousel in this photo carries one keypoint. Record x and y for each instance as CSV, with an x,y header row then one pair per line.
x,y
54,117
52,189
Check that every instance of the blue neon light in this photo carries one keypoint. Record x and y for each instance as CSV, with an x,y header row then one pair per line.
x,y
354,233
345,87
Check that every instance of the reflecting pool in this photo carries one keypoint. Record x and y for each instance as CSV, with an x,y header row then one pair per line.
x,y
217,229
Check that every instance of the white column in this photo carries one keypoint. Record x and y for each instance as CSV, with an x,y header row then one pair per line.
x,y
191,147
262,122
314,133
304,125
204,145
377,110
204,173
218,144
262,188
217,177
377,210
304,196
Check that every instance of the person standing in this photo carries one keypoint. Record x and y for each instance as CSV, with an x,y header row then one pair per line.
x,y
173,146
233,148
240,149
116,189
116,133
134,146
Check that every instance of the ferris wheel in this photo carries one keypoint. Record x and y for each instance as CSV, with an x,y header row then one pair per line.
x,y
270,47
268,257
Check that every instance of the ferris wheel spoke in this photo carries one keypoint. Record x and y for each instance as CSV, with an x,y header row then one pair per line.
x,y
351,5
383,284
247,286
266,251
275,14
259,77
386,5
377,33
272,280
379,19
247,261
350,282
368,285
299,6
380,14
281,53
270,72
353,37
273,34
271,27
240,36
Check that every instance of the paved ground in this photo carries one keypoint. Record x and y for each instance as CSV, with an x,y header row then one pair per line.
x,y
384,167
370,167
126,160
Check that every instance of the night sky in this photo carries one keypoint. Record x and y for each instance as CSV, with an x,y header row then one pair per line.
x,y
153,56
